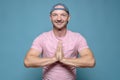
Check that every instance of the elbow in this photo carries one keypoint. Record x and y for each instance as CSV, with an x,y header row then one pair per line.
x,y
26,63
92,63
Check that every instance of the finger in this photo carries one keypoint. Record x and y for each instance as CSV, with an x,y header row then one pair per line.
x,y
59,46
61,50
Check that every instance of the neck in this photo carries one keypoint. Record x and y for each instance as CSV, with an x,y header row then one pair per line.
x,y
60,32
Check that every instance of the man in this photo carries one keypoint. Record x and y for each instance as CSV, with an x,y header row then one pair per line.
x,y
57,50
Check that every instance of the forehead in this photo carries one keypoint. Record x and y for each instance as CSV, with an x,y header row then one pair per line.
x,y
59,12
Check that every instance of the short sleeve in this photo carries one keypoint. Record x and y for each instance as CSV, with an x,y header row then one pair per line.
x,y
37,43
81,41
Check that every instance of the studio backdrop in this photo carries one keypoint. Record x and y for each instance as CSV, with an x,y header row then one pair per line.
x,y
21,21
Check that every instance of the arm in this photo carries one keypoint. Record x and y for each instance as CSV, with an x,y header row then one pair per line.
x,y
33,59
86,59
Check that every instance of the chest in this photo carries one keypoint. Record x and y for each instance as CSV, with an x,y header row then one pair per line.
x,y
69,48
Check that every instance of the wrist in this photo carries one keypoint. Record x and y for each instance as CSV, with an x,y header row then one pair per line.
x,y
54,59
63,60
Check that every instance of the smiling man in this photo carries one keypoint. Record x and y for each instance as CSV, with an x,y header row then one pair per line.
x,y
57,50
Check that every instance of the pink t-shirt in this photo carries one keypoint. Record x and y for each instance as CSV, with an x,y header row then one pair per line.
x,y
72,44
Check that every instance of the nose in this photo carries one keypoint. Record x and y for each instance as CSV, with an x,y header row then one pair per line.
x,y
59,18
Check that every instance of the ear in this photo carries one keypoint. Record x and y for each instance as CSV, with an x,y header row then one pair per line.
x,y
50,17
69,18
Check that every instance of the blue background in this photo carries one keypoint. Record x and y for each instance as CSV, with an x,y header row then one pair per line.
x,y
23,20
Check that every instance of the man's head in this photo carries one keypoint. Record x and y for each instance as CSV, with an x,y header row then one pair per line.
x,y
59,16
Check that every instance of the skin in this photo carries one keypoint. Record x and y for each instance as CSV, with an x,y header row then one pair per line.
x,y
59,19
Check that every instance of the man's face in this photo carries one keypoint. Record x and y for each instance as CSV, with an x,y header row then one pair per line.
x,y
59,18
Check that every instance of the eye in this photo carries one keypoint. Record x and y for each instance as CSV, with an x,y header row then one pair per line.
x,y
54,14
64,15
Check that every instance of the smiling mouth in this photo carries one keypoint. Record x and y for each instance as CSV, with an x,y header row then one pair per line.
x,y
59,23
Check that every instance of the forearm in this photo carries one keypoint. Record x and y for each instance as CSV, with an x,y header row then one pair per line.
x,y
38,62
79,62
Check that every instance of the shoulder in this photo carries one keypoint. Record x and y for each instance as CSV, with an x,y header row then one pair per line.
x,y
41,37
44,34
74,34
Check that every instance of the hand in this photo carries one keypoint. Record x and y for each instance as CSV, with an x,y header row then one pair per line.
x,y
59,52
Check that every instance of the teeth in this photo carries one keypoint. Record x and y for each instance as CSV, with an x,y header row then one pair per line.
x,y
59,22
